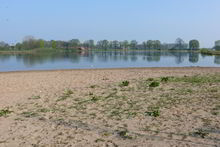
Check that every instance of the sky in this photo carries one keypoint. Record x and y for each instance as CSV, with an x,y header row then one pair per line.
x,y
163,20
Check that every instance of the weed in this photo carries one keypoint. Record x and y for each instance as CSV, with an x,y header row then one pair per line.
x,y
5,112
150,79
29,114
44,110
67,93
94,99
90,93
154,84
155,112
93,86
35,97
200,133
164,79
124,83
124,134
99,140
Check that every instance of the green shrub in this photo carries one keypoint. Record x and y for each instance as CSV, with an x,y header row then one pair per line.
x,y
154,84
124,83
154,113
5,112
164,79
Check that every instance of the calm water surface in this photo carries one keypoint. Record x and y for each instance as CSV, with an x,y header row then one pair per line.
x,y
110,59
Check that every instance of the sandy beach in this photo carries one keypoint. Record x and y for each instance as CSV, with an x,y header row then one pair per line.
x,y
110,107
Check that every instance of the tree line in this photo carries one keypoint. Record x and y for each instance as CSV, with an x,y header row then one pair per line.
x,y
29,43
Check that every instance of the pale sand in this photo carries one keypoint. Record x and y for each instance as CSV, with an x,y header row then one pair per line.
x,y
16,88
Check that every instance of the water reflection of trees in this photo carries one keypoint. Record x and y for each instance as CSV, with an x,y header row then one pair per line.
x,y
41,58
217,60
104,56
193,57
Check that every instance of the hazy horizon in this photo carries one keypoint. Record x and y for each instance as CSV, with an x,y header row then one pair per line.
x,y
113,20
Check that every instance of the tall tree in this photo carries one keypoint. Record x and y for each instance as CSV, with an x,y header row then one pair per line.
x,y
180,44
217,45
194,44
74,43
150,44
54,44
133,44
125,44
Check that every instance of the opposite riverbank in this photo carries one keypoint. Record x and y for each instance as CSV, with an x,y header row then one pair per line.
x,y
114,107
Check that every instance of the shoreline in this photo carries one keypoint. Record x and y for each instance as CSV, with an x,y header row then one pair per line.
x,y
103,69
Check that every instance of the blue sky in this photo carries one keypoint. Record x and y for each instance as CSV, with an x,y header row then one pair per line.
x,y
142,20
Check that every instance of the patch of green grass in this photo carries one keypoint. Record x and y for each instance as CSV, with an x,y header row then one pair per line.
x,y
5,112
93,86
154,111
44,110
99,140
150,79
67,93
124,83
95,98
164,79
124,134
154,84
197,79
29,114
35,97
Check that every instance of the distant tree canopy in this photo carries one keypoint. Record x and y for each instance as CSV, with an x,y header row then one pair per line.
x,y
217,45
194,44
180,44
29,42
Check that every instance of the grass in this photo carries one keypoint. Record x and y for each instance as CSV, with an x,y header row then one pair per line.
x,y
5,112
197,79
124,83
29,114
67,93
154,112
154,84
209,52
199,133
35,97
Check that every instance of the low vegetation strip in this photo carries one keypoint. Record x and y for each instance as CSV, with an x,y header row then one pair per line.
x,y
171,110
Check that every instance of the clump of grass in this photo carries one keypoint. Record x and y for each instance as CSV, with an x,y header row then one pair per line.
x,y
67,93
154,84
94,99
164,79
35,97
29,114
124,83
150,79
93,86
155,112
5,112
43,110
124,134
200,133
99,140
215,111
197,79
